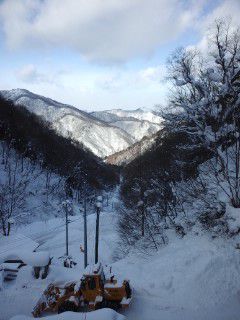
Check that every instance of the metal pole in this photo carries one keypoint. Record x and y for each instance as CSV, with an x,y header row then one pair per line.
x,y
97,236
143,221
66,211
141,192
85,234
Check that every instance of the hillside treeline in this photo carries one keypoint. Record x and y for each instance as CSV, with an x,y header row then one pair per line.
x,y
34,138
191,175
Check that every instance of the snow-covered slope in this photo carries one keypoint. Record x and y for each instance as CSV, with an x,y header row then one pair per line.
x,y
139,114
102,314
30,197
100,137
138,123
196,277
124,157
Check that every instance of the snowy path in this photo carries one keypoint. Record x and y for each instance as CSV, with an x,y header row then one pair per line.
x,y
193,278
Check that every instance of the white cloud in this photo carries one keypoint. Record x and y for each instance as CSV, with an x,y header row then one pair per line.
x,y
121,79
29,73
227,10
105,31
95,88
101,31
153,74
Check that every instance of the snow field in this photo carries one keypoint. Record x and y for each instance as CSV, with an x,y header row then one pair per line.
x,y
104,314
196,277
192,278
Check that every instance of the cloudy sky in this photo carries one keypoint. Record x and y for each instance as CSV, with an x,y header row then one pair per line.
x,y
99,54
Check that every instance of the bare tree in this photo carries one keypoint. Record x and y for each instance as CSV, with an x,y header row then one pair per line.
x,y
13,190
206,95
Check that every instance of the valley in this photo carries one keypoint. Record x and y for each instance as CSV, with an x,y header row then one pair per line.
x,y
103,133
120,197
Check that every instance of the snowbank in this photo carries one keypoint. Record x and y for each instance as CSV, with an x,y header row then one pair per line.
x,y
196,277
33,259
102,314
36,259
11,246
186,278
233,219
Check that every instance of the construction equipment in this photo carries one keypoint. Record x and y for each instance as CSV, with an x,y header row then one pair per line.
x,y
97,289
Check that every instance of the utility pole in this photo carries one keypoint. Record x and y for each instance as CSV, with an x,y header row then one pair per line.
x,y
97,236
66,206
98,208
85,232
66,211
141,192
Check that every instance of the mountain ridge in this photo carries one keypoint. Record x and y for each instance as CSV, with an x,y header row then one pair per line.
x,y
99,137
102,132
137,123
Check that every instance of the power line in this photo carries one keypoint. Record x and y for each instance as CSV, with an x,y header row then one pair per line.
x,y
55,228
33,239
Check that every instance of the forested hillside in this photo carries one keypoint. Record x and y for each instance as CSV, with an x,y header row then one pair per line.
x,y
192,174
38,165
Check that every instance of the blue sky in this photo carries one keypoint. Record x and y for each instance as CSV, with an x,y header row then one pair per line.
x,y
100,54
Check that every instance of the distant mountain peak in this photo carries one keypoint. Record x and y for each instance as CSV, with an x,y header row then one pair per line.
x,y
98,136
102,132
137,123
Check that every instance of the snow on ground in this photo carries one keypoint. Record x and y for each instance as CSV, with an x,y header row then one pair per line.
x,y
192,278
104,314
9,246
20,297
196,277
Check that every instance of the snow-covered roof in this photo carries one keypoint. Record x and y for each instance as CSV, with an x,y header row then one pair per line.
x,y
93,269
13,246
35,259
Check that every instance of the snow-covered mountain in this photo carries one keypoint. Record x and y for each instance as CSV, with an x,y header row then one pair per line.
x,y
138,123
100,137
125,156
104,132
